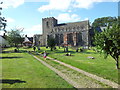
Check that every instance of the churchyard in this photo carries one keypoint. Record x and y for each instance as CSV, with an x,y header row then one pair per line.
x,y
22,70
74,64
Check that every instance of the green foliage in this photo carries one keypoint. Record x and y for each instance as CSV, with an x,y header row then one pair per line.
x,y
51,42
2,20
104,21
14,37
109,42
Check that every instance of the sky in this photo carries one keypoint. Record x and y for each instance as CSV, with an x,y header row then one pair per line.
x,y
28,14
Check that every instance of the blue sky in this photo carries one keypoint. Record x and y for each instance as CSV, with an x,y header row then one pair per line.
x,y
29,13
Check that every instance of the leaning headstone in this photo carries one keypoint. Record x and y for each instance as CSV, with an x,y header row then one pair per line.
x,y
66,54
90,57
69,54
81,50
15,50
77,50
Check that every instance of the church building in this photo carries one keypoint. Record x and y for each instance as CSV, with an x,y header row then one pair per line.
x,y
73,34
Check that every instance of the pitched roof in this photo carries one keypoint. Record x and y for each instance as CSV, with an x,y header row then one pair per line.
x,y
26,40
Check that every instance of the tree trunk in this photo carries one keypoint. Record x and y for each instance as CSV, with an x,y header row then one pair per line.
x,y
117,63
15,45
21,44
51,49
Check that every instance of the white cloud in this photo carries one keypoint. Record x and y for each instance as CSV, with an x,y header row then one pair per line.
x,y
86,19
56,5
66,4
36,29
12,3
65,17
36,0
69,11
10,20
83,4
89,3
2,33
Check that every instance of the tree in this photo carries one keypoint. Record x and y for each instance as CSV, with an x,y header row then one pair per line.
x,y
51,43
2,21
21,40
104,22
109,42
14,37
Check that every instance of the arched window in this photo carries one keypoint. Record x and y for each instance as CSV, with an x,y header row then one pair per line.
x,y
82,27
47,24
74,28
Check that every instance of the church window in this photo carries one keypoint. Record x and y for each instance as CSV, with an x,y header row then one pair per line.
x,y
82,27
47,24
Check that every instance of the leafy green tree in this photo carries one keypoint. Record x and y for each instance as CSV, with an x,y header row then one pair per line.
x,y
104,21
109,42
2,20
14,37
21,40
51,43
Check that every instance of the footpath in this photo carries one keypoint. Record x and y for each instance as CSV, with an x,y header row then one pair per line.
x,y
81,80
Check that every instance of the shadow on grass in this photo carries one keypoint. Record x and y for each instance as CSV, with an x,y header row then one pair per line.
x,y
12,51
66,52
9,57
7,52
10,81
89,52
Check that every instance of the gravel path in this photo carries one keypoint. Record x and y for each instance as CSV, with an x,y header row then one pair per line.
x,y
102,80
76,85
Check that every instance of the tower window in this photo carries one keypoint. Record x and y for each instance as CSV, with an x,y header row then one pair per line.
x,y
47,24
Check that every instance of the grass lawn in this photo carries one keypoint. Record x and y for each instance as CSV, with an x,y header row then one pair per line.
x,y
105,68
21,70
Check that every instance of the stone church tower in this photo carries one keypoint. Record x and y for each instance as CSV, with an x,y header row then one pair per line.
x,y
47,25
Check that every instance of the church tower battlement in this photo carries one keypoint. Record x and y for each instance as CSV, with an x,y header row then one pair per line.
x,y
48,24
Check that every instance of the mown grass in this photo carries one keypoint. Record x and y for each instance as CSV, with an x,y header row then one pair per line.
x,y
105,68
30,72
